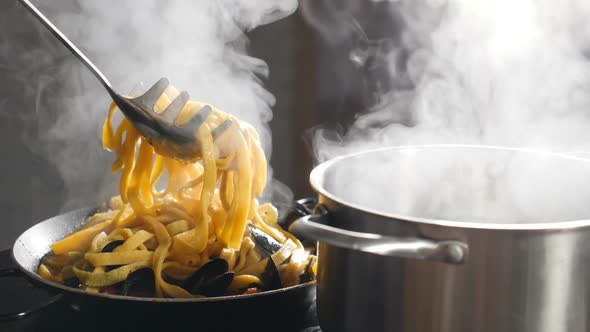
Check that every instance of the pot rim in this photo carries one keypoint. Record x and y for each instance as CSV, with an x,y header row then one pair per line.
x,y
315,178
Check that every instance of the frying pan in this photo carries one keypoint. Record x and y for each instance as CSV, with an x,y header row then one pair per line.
x,y
271,310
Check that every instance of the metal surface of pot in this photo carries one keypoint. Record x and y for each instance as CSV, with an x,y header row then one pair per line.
x,y
508,264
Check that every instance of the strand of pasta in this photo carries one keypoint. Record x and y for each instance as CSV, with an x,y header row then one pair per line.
x,y
209,181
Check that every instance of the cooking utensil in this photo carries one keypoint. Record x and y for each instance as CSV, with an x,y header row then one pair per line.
x,y
287,305
160,129
452,238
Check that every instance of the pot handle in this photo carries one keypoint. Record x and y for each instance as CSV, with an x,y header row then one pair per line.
x,y
452,252
9,269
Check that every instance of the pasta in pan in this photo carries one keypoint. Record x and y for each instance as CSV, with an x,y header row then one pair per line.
x,y
204,234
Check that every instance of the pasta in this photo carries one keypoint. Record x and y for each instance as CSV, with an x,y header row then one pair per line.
x,y
191,225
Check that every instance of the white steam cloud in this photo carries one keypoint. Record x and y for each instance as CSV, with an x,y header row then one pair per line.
x,y
497,72
199,45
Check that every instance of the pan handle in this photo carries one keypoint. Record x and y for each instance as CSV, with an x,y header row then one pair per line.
x,y
8,268
452,252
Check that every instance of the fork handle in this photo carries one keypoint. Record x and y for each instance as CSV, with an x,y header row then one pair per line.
x,y
67,43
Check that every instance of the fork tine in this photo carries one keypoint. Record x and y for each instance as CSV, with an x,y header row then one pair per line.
x,y
175,107
193,124
219,130
152,95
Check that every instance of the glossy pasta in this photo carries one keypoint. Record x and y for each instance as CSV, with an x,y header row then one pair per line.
x,y
174,217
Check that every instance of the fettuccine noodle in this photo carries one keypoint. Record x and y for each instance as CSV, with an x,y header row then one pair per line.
x,y
201,213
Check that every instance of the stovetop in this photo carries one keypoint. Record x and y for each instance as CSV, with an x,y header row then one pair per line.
x,y
17,294
61,317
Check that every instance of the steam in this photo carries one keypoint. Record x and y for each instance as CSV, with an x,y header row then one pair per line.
x,y
199,45
499,72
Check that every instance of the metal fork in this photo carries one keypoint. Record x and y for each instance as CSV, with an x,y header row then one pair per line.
x,y
160,129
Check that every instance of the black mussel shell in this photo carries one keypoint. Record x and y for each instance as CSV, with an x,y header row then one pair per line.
x,y
298,209
308,274
264,241
109,247
139,283
210,270
270,277
216,286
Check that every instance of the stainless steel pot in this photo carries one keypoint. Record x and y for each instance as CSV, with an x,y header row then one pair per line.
x,y
452,238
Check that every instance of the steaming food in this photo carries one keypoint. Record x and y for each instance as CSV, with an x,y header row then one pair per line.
x,y
204,234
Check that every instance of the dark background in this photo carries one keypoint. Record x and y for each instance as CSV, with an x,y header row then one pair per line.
x,y
312,78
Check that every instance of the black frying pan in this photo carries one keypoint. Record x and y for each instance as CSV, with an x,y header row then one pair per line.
x,y
275,310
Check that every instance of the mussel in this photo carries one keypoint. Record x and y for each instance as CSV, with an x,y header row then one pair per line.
x,y
300,208
308,274
216,286
264,241
109,247
139,283
212,279
271,277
